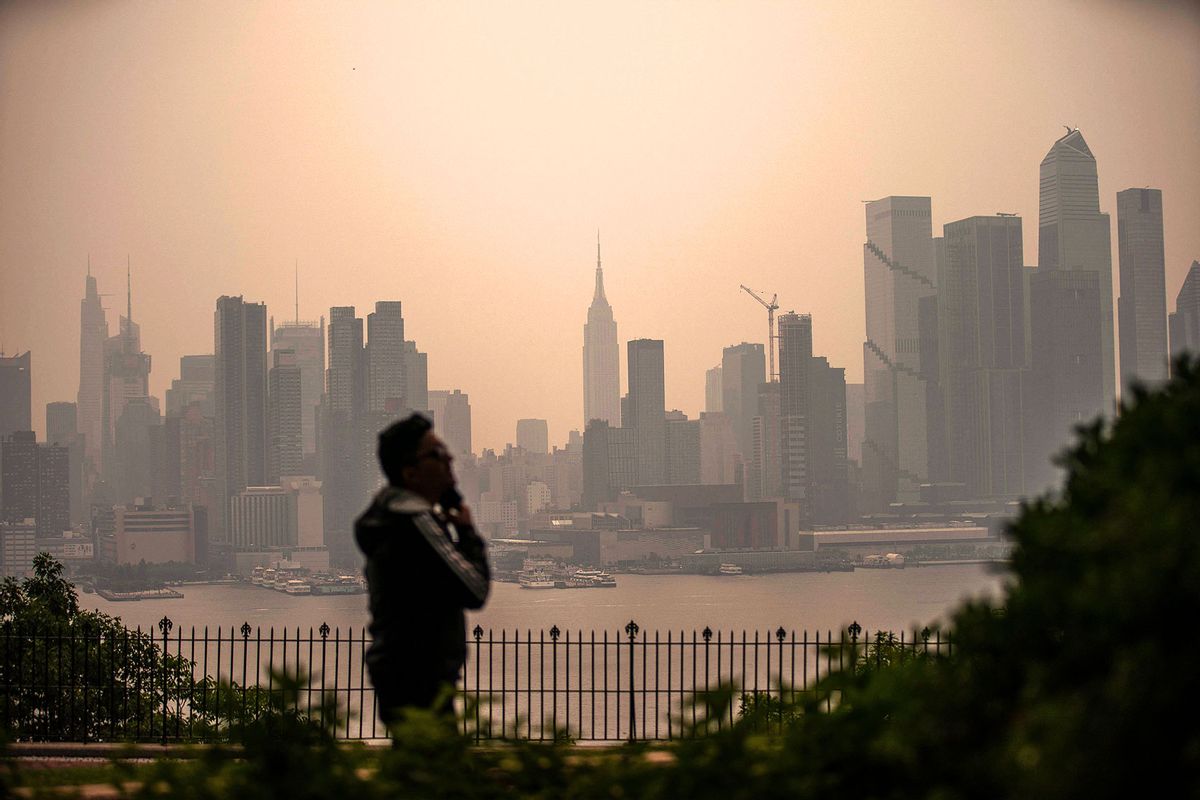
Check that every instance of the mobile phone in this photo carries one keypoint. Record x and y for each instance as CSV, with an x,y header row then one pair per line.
x,y
451,499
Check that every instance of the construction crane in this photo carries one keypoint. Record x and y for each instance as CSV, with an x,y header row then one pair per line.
x,y
771,308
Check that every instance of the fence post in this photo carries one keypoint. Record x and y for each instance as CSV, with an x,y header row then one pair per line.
x,y
554,634
632,630
165,626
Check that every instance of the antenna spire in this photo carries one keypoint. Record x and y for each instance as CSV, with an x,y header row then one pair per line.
x,y
128,306
599,295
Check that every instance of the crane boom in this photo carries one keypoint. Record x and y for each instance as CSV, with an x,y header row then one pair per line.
x,y
771,307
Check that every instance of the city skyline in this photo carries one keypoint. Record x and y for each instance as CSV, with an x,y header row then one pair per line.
x,y
492,263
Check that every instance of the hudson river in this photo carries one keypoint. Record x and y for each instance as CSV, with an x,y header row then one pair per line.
x,y
885,598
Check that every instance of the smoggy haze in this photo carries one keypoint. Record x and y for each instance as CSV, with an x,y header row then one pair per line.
x,y
460,158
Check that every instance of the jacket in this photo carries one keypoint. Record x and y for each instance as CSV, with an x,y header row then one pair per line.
x,y
419,581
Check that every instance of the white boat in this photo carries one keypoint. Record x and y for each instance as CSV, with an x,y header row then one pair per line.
x,y
536,579
297,586
729,569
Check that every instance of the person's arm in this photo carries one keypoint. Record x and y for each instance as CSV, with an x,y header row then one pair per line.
x,y
465,562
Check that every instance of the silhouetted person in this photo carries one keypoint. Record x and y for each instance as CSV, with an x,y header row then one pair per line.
x,y
425,564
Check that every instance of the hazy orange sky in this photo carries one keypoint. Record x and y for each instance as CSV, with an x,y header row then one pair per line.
x,y
460,157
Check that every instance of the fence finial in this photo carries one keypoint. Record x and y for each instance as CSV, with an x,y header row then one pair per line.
x,y
245,630
165,625
706,633
632,629
855,629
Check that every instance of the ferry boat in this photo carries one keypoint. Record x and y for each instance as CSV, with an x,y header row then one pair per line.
x,y
297,586
730,569
536,579
340,584
883,561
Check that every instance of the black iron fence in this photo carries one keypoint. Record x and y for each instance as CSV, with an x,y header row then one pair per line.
x,y
65,682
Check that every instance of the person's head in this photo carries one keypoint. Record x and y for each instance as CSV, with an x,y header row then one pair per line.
x,y
414,458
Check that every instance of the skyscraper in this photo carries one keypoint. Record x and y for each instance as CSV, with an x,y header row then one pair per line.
x,y
899,270
452,418
62,429
343,432
240,398
346,379
285,441
533,435
743,369
828,478
646,404
386,385
126,380
16,412
416,377
981,314
194,385
1072,369
795,367
307,341
1142,306
713,401
1185,322
93,333
601,357
1074,235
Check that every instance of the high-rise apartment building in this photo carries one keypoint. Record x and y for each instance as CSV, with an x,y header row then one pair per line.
x,y
533,435
981,346
93,333
240,400
16,399
1142,306
343,432
601,357
35,483
795,368
346,377
764,474
452,419
828,478
646,413
683,451
1185,321
62,429
743,369
285,438
386,384
307,341
899,270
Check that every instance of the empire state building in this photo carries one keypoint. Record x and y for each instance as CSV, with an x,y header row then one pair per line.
x,y
601,359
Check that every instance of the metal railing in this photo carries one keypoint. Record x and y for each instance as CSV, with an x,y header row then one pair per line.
x,y
71,683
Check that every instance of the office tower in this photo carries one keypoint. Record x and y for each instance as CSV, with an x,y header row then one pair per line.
x,y
62,421
981,346
765,471
197,375
126,378
451,412
1074,235
743,369
386,385
132,457
795,365
718,450
416,377
683,450
712,389
261,517
1072,370
828,484
240,400
197,458
899,270
1185,322
601,357
1142,306
346,376
16,412
855,422
343,433
53,490
18,476
646,403
307,341
533,435
285,438
93,333
610,462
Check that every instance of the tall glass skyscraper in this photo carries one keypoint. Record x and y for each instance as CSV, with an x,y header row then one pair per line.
x,y
899,270
1142,307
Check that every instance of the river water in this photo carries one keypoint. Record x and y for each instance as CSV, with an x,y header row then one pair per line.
x,y
886,598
